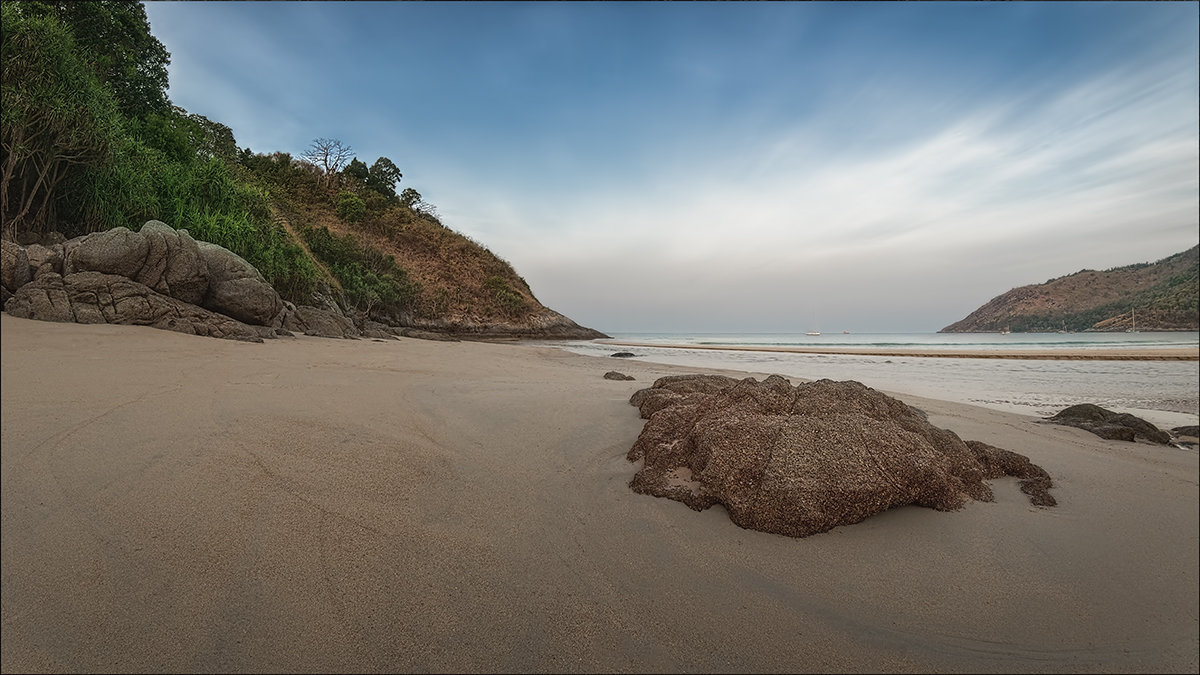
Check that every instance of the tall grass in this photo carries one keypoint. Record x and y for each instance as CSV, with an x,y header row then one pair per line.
x,y
204,197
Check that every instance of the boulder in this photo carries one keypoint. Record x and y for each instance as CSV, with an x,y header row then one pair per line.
x,y
614,375
173,264
236,289
621,355
800,460
95,297
117,251
1108,424
14,266
318,323
159,257
45,260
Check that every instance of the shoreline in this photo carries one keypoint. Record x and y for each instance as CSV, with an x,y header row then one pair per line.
x,y
1100,354
183,503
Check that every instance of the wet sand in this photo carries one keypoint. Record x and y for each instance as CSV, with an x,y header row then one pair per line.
x,y
177,503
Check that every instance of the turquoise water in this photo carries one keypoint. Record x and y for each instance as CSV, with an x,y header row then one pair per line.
x,y
1163,392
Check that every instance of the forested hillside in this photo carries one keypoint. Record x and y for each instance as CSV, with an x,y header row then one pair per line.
x,y
91,142
1147,296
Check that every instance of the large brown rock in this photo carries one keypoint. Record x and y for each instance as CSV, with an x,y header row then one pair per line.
x,y
799,460
94,297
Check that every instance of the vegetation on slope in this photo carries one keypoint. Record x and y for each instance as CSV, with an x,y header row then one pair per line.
x,y
1157,296
90,141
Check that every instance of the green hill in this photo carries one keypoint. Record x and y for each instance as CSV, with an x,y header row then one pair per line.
x,y
1156,296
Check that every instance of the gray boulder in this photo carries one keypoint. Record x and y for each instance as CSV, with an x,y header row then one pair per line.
x,y
318,323
95,297
116,251
14,266
173,264
614,375
159,257
45,260
236,289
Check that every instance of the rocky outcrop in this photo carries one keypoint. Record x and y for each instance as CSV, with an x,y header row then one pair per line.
x,y
1108,424
157,277
95,297
192,275
544,325
800,460
163,259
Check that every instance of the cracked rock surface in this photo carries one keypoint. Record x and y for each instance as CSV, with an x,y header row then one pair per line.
x,y
800,460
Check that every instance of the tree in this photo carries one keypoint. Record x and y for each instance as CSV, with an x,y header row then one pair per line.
x,y
357,170
209,138
383,177
410,198
329,155
57,120
113,37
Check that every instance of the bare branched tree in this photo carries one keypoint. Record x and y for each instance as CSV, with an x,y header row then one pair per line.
x,y
330,155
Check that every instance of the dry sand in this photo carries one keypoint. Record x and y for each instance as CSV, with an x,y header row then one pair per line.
x,y
176,503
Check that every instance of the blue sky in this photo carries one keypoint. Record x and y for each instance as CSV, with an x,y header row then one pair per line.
x,y
740,166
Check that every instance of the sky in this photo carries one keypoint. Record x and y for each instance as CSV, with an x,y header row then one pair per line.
x,y
742,166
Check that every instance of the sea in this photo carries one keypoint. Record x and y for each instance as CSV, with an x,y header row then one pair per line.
x,y
1165,393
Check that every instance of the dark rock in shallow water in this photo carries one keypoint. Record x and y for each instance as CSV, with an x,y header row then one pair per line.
x,y
614,375
802,460
1108,424
1192,430
621,355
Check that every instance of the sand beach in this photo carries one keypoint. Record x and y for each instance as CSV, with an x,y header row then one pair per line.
x,y
177,503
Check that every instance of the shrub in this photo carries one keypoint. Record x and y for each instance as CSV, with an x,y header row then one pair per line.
x,y
350,207
509,301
